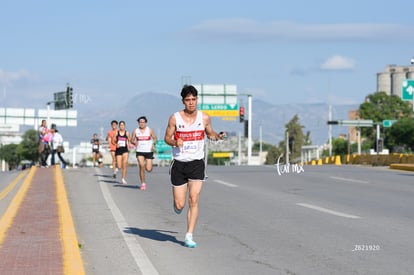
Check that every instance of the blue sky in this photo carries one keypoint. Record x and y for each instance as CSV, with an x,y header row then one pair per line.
x,y
279,51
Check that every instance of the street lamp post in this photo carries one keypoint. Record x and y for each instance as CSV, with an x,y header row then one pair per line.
x,y
249,128
249,131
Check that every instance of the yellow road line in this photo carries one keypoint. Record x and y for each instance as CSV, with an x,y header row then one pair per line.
x,y
12,185
7,219
72,260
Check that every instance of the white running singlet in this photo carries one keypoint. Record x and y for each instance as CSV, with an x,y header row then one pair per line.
x,y
193,137
144,140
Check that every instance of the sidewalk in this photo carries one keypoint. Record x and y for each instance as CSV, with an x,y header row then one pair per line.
x,y
36,231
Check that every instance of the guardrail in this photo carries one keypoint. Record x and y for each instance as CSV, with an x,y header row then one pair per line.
x,y
365,159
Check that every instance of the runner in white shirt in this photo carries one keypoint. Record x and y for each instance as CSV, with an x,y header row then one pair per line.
x,y
186,131
144,139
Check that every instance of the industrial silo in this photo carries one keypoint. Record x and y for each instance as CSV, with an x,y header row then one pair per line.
x,y
384,82
396,81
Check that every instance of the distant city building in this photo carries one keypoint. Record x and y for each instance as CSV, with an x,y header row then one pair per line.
x,y
353,131
390,81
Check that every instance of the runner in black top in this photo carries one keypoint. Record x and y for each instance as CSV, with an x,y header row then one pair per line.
x,y
121,152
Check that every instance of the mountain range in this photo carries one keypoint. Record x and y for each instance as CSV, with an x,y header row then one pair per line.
x,y
268,120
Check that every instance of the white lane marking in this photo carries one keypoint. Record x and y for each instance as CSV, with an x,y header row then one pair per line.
x,y
351,180
225,183
141,259
325,210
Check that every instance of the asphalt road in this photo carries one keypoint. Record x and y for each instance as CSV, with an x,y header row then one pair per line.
x,y
253,220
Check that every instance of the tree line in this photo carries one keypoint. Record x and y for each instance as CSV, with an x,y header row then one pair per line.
x,y
379,106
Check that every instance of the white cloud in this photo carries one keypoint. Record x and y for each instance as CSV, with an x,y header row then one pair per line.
x,y
7,78
338,62
247,29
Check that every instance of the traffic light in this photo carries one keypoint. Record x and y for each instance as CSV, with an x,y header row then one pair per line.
x,y
241,114
380,145
69,97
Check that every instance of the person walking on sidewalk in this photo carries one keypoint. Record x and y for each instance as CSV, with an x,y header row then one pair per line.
x,y
112,147
44,148
186,132
57,147
121,141
144,139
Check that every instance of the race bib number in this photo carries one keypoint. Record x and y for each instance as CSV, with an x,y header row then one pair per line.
x,y
95,146
121,143
190,146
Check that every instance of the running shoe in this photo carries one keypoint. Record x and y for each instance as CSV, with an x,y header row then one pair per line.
x,y
124,181
176,210
143,186
190,243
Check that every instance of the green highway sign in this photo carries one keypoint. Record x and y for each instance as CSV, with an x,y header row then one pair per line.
x,y
221,109
407,89
388,122
218,107
163,150
164,156
160,145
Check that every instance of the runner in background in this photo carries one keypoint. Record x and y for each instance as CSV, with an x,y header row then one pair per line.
x,y
96,155
112,147
121,141
144,139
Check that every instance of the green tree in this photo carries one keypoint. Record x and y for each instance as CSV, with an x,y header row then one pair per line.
x,y
400,136
265,146
380,106
365,146
296,137
9,154
273,153
28,149
307,139
339,147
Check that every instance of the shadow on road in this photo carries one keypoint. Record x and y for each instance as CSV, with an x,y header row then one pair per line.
x,y
153,234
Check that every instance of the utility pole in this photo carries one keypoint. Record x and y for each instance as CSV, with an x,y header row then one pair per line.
x,y
249,126
330,130
249,131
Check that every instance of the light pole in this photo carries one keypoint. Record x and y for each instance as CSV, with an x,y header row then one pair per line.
x,y
249,128
249,131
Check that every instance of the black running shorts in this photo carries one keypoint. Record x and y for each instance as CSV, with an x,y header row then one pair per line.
x,y
120,151
182,172
146,155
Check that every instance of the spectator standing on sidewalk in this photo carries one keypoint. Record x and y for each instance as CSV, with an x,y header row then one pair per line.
x,y
44,138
